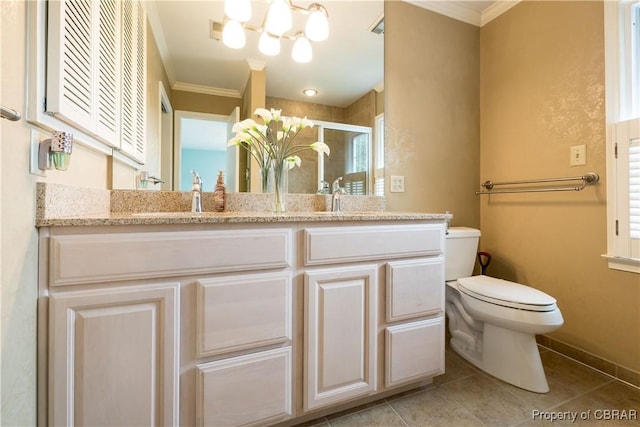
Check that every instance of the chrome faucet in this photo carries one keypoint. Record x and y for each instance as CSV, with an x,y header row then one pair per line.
x,y
196,193
337,194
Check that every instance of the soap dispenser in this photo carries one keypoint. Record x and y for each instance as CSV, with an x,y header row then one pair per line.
x,y
219,193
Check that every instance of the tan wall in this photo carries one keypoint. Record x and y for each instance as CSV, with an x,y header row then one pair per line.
x,y
203,103
432,112
542,68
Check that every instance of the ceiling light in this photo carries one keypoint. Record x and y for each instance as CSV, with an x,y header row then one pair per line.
x,y
279,19
233,35
302,51
310,92
238,10
268,44
317,28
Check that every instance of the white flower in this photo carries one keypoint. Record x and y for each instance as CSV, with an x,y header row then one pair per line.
x,y
265,114
293,161
244,125
321,147
306,123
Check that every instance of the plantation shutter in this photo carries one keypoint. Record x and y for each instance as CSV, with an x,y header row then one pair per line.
x,y
96,70
82,72
634,188
628,177
133,80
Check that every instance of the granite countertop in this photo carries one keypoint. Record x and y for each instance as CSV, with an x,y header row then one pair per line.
x,y
158,218
62,205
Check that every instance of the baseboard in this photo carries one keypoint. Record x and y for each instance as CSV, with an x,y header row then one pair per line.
x,y
605,366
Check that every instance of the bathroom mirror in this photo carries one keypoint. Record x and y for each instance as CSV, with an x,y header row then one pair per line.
x,y
344,68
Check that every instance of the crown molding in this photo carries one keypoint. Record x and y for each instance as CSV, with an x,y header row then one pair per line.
x,y
450,9
461,13
495,10
207,90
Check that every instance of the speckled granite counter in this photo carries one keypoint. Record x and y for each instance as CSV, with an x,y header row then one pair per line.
x,y
61,205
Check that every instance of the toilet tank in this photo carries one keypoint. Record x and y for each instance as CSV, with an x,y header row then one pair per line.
x,y
461,248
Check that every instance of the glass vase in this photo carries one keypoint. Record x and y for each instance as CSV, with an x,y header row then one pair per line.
x,y
279,184
264,178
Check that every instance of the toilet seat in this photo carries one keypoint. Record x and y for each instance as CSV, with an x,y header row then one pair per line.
x,y
506,293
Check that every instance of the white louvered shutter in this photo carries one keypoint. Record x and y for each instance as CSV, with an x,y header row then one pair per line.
x,y
628,175
108,80
82,70
133,80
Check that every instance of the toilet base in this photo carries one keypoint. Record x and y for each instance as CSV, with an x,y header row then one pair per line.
x,y
508,355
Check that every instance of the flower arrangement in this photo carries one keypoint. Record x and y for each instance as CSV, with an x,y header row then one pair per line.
x,y
274,139
271,145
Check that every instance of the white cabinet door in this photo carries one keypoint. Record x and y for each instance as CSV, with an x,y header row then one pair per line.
x,y
245,390
340,334
414,350
113,356
415,288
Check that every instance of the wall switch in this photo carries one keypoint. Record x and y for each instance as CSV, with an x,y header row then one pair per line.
x,y
34,168
397,184
578,155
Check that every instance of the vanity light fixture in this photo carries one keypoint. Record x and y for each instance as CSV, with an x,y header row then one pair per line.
x,y
310,92
302,51
276,23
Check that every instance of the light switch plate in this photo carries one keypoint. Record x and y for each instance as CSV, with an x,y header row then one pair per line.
x,y
35,139
397,184
578,155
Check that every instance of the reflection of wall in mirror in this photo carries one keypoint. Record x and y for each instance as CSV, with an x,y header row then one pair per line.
x,y
361,112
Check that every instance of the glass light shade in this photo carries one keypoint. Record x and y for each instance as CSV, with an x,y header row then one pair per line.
x,y
279,19
238,10
310,92
302,51
317,28
233,35
269,45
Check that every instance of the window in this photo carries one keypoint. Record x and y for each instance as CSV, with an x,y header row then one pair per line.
x,y
622,54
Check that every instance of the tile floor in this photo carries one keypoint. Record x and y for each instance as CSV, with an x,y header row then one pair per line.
x,y
465,396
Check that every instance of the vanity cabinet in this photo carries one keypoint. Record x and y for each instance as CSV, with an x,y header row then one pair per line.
x,y
351,274
235,324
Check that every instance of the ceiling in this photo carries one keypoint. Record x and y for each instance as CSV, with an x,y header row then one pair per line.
x,y
344,67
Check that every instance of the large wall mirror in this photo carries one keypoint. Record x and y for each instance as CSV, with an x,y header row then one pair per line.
x,y
207,78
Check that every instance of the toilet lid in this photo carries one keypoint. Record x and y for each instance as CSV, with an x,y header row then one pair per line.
x,y
509,294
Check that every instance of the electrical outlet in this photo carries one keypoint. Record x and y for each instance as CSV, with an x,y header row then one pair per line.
x,y
578,155
397,184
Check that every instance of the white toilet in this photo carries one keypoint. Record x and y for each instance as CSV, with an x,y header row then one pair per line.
x,y
493,322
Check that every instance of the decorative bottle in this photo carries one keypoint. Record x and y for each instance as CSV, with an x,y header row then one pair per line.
x,y
219,194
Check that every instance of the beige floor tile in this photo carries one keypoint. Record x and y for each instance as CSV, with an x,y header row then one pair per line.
x,y
455,368
487,400
381,415
431,408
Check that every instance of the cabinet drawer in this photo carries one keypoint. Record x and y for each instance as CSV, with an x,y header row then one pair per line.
x,y
251,389
415,288
346,244
413,351
239,312
90,258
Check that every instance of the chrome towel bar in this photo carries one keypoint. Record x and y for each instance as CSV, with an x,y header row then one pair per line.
x,y
588,179
9,114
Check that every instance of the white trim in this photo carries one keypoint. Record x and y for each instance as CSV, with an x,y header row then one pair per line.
x,y
450,9
624,264
495,10
207,90
461,13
